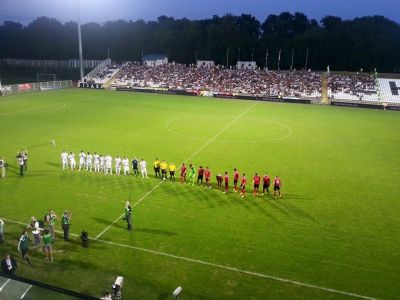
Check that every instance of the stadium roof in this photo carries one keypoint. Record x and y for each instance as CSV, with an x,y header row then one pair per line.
x,y
153,57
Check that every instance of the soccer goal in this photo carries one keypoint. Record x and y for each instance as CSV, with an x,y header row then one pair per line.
x,y
44,77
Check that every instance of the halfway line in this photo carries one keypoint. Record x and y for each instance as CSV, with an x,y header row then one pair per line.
x,y
137,202
221,131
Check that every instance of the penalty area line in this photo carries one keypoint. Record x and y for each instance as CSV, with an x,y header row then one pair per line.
x,y
136,203
233,269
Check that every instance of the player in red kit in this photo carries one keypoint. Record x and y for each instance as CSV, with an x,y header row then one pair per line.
x,y
266,183
243,185
219,180
256,182
226,180
207,176
200,174
183,173
235,179
277,186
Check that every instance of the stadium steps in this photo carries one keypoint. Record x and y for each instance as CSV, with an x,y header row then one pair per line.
x,y
324,89
111,80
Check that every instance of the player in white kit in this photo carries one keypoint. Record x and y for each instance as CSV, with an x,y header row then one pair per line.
x,y
108,164
89,162
96,162
125,164
117,165
72,162
64,160
82,159
143,168
102,162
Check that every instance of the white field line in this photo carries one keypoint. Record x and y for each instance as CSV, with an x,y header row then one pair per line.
x,y
201,262
136,203
195,153
4,284
221,131
24,294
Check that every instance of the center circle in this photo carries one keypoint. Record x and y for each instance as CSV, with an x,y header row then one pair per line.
x,y
244,130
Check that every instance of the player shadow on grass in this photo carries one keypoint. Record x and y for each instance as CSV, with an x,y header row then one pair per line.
x,y
154,231
53,164
120,224
285,205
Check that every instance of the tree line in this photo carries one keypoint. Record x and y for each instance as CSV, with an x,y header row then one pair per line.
x,y
362,43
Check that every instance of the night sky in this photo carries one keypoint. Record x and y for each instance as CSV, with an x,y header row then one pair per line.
x,y
24,11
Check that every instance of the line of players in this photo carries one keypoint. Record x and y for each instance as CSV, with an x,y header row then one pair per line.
x,y
99,163
206,174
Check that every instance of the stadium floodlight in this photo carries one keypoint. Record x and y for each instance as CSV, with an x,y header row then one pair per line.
x,y
177,292
79,38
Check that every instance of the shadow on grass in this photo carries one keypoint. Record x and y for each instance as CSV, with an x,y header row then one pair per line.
x,y
120,223
53,164
163,295
154,231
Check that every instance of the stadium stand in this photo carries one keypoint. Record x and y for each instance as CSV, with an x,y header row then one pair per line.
x,y
352,87
220,80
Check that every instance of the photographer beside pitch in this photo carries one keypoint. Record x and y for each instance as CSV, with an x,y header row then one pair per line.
x,y
66,217
128,214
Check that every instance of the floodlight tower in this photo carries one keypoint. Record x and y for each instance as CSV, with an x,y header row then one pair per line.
x,y
80,38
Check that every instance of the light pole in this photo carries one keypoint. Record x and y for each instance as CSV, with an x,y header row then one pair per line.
x,y
80,39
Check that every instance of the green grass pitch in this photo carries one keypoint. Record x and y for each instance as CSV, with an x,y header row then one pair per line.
x,y
335,234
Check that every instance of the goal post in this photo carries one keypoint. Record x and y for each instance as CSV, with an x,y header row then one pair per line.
x,y
44,77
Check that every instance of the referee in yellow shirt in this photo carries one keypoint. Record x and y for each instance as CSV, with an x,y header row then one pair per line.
x,y
156,165
164,168
172,169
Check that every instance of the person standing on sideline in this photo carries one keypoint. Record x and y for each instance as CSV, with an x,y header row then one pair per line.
x,y
266,183
23,246
143,168
1,231
66,217
2,167
8,265
135,164
172,169
277,186
51,218
128,214
156,166
47,241
21,164
35,230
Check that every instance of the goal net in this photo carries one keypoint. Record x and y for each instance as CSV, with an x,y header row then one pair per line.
x,y
44,77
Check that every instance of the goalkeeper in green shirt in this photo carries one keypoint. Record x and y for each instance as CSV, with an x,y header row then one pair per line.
x,y
192,174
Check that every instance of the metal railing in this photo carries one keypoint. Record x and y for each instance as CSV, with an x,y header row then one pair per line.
x,y
35,87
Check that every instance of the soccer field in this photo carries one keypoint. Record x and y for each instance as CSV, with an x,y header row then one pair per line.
x,y
335,233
